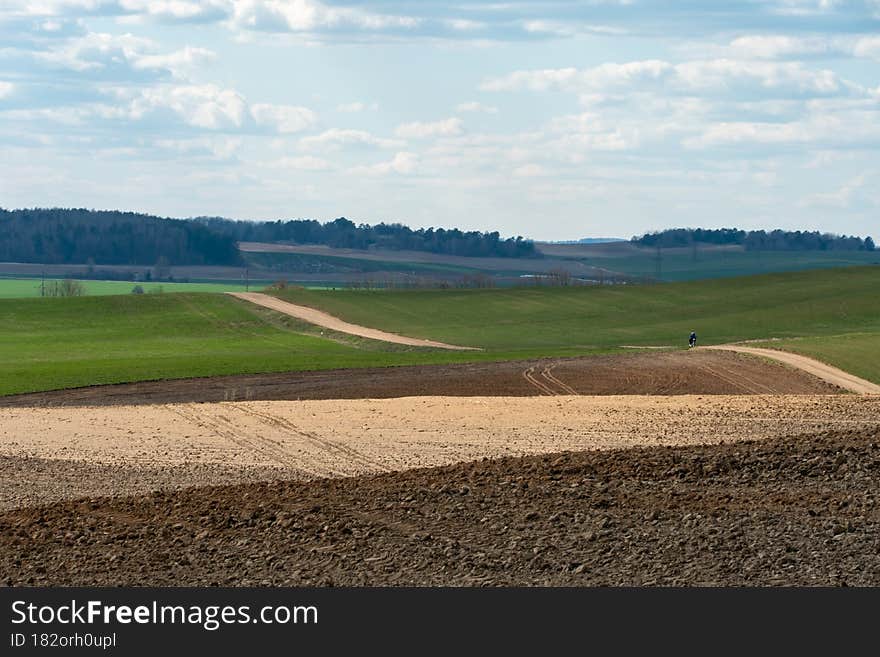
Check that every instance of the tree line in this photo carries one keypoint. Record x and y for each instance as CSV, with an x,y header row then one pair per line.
x,y
76,235
756,240
67,235
343,233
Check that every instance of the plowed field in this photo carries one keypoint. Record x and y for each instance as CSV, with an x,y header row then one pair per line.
x,y
777,512
663,373
64,453
645,469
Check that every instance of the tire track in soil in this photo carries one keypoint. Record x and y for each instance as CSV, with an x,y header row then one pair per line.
x,y
315,440
546,386
547,374
747,385
529,375
264,447
739,375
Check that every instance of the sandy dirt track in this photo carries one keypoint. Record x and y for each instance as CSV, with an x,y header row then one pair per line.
x,y
326,320
817,368
171,446
667,373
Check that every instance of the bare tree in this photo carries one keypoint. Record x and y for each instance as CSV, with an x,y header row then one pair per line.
x,y
65,288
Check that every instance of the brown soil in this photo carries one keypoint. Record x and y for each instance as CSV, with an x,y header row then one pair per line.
x,y
672,373
176,446
778,512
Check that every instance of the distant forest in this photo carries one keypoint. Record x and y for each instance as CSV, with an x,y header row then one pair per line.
x,y
345,234
60,235
57,235
756,240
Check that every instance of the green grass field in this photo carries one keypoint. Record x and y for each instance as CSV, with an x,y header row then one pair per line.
x,y
67,342
48,344
815,303
22,288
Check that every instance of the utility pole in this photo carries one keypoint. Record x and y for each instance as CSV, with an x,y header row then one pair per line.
x,y
247,279
43,283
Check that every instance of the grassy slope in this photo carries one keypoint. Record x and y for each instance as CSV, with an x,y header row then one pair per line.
x,y
57,343
60,343
21,288
778,305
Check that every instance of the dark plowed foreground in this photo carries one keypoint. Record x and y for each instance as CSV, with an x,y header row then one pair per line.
x,y
664,373
777,512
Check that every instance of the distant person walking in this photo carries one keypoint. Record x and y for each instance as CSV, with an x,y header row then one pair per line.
x,y
692,340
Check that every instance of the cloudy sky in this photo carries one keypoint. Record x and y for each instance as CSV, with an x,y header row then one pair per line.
x,y
551,119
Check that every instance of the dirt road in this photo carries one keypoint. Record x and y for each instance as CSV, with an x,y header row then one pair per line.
x,y
326,320
817,368
61,453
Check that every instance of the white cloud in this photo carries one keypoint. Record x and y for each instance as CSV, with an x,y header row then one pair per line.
x,y
565,29
6,89
217,148
203,106
178,10
303,163
98,51
177,62
530,171
824,126
475,106
119,56
55,7
283,118
336,138
867,47
465,25
538,80
788,77
310,16
446,128
64,116
356,107
402,163
716,76
780,46
853,194
574,135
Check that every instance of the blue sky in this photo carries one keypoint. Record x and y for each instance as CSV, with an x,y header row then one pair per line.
x,y
551,120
